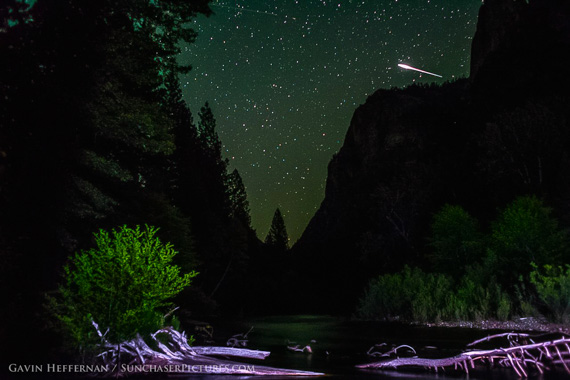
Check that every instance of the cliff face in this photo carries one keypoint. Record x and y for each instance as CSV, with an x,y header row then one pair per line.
x,y
497,21
477,143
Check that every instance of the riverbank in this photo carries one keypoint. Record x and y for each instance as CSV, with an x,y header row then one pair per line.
x,y
521,324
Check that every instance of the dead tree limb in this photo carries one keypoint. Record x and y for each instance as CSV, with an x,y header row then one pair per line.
x,y
298,348
371,351
518,357
389,353
510,336
515,338
173,351
232,352
239,340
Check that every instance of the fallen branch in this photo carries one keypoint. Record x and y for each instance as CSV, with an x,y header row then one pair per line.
x,y
174,355
292,346
540,355
386,354
371,351
239,340
298,348
511,337
232,352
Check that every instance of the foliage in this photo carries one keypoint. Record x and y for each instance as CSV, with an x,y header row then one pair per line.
x,y
94,133
277,236
418,296
124,284
238,198
497,284
207,131
476,300
100,77
553,287
526,232
410,294
384,298
456,240
431,295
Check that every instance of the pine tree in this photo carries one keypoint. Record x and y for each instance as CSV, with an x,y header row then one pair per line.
x,y
213,165
277,237
238,199
98,136
207,132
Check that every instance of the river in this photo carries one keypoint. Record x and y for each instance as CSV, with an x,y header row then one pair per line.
x,y
340,344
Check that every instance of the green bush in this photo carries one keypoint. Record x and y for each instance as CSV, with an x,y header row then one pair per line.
x,y
553,288
503,306
431,300
455,240
410,294
124,284
481,276
430,297
479,295
525,295
526,232
383,298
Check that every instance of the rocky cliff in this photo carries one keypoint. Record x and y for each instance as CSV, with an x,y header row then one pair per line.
x,y
477,142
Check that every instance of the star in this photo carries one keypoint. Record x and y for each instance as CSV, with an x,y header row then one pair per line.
x,y
284,78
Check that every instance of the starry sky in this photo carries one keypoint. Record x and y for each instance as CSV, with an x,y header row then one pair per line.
x,y
283,78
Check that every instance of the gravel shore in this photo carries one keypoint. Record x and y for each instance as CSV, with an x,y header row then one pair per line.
x,y
519,324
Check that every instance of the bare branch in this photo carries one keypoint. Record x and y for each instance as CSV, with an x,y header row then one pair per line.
x,y
174,350
517,357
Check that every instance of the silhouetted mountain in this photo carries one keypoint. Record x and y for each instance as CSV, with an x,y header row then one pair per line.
x,y
477,142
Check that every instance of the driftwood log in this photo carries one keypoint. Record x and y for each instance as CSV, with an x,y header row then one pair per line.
x,y
239,340
374,353
175,356
522,355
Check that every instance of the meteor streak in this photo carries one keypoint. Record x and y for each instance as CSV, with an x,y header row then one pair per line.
x,y
406,67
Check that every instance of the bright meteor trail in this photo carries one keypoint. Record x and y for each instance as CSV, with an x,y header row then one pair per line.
x,y
406,67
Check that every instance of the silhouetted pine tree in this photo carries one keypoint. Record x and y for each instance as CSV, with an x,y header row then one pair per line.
x,y
216,203
207,132
277,237
238,199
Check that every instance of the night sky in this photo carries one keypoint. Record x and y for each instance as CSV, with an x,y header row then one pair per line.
x,y
283,78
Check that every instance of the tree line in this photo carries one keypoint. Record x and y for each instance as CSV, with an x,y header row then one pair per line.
x,y
95,134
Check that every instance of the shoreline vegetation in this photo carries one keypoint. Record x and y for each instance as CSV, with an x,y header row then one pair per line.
x,y
514,269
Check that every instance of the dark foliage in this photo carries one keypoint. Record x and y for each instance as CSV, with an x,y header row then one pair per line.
x,y
503,282
94,133
273,271
277,238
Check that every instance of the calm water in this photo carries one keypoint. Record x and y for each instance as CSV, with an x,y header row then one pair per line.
x,y
341,344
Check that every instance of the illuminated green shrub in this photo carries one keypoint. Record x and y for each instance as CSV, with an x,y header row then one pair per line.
x,y
124,284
